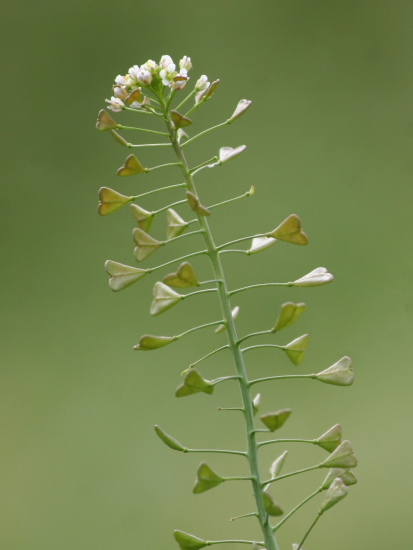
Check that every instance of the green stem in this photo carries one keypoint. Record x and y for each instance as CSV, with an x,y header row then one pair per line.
x,y
199,253
185,100
183,236
184,296
202,165
245,516
292,474
282,377
297,508
224,379
219,451
237,290
247,194
308,532
254,334
169,206
163,166
205,132
131,145
269,537
236,478
236,251
263,443
192,365
261,345
211,542
231,409
157,191
220,247
198,328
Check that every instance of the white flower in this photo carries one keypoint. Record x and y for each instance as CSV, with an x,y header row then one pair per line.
x,y
144,77
165,61
149,66
120,92
133,73
115,104
185,63
180,80
202,83
120,80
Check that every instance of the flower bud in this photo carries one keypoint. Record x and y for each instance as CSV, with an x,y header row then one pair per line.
x,y
105,122
179,120
274,421
120,92
240,110
331,439
295,350
196,206
289,313
202,83
278,464
188,542
339,374
261,243
347,476
149,342
184,277
122,276
211,89
317,277
256,403
206,479
271,507
228,153
176,225
290,231
234,313
168,440
335,493
144,77
131,167
194,383
164,298
185,63
142,216
165,61
119,138
115,104
145,244
110,200
342,457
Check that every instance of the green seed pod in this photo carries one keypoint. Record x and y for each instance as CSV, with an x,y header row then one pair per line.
x,y
295,350
194,383
122,276
271,507
145,244
117,137
105,121
290,231
336,492
179,120
168,440
188,542
164,298
176,225
276,420
135,95
342,457
278,464
206,479
149,342
110,200
228,153
347,476
131,167
339,374
331,439
143,217
184,277
289,313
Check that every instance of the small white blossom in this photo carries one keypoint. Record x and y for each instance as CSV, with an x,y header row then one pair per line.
x,y
185,63
120,80
149,66
202,83
115,104
133,73
120,92
165,61
144,77
180,80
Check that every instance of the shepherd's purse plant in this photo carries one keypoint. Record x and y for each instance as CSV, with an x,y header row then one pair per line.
x,y
151,91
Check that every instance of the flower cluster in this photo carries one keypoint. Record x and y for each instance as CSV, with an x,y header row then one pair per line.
x,y
149,75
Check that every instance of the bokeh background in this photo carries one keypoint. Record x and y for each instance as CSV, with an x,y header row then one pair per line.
x,y
329,137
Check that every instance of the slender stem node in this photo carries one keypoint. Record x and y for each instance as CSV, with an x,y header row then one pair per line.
x,y
276,527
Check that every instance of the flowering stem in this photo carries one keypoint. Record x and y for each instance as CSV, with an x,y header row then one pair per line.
x,y
185,100
121,127
319,490
270,542
202,165
247,194
205,132
232,292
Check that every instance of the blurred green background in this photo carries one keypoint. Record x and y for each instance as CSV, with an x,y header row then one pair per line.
x,y
329,137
